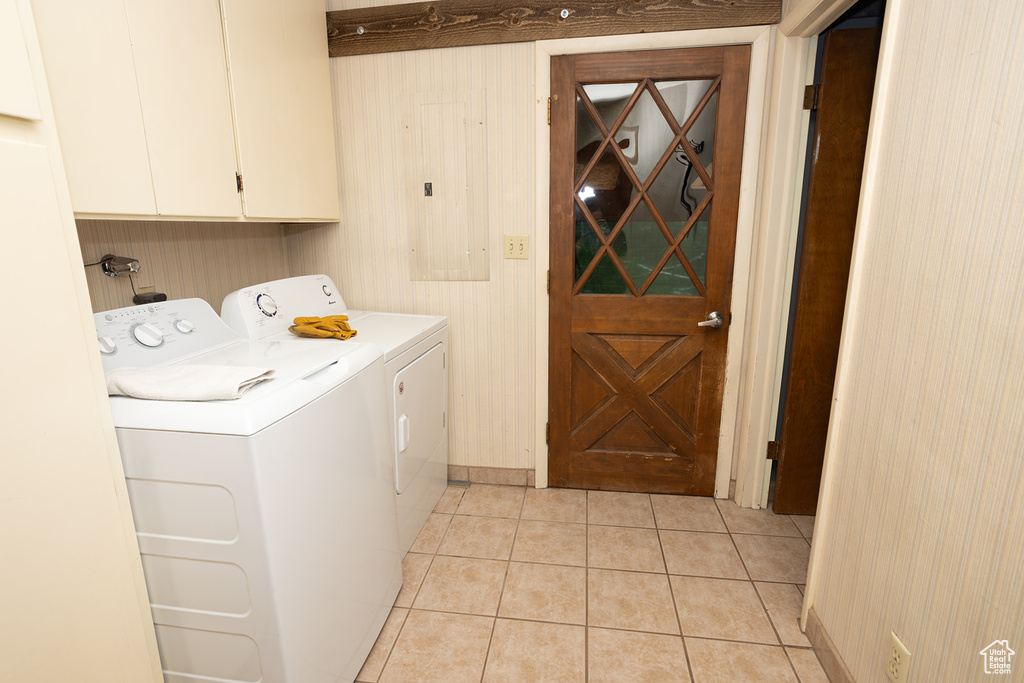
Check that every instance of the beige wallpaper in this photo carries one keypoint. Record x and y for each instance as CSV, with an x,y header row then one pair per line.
x,y
491,390
182,259
923,532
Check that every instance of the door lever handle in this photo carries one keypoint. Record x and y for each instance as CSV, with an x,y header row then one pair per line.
x,y
715,319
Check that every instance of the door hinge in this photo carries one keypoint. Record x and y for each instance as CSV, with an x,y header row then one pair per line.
x,y
549,111
444,420
547,433
773,450
811,97
238,181
549,282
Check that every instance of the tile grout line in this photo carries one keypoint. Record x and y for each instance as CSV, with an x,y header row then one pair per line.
x,y
760,599
398,635
586,588
771,622
789,659
753,585
672,592
501,594
412,603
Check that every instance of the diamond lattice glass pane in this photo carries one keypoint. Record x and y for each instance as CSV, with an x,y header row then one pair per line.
x,y
695,244
606,278
607,189
671,192
673,278
702,137
645,244
609,99
588,137
644,136
682,97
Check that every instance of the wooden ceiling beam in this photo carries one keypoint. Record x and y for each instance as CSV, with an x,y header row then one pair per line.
x,y
455,23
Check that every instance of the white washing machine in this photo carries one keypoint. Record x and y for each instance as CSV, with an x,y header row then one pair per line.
x,y
267,524
415,352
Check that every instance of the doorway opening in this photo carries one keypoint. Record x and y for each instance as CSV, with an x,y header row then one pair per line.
x,y
840,103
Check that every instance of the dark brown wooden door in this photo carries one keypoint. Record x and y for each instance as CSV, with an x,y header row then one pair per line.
x,y
844,109
645,167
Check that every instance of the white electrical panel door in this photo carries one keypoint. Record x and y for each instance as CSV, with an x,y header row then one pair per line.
x,y
447,186
419,398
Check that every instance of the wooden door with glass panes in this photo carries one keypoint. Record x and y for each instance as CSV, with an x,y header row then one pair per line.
x,y
645,168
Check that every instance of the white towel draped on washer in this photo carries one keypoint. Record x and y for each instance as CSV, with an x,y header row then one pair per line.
x,y
185,382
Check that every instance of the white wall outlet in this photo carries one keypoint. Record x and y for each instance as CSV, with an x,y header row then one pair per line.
x,y
517,246
897,661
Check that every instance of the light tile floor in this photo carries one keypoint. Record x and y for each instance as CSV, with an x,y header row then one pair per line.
x,y
514,584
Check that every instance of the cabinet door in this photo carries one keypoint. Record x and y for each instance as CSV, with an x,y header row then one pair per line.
x,y
87,53
17,90
283,121
180,62
314,137
263,111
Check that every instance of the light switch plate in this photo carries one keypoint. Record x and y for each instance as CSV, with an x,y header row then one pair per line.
x,y
517,246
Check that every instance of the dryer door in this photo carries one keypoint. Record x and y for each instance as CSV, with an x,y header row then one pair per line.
x,y
419,398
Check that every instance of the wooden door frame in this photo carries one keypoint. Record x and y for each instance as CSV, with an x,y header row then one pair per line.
x,y
772,167
759,38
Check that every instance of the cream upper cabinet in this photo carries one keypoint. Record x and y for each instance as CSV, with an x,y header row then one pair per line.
x,y
87,54
17,87
178,48
160,102
280,79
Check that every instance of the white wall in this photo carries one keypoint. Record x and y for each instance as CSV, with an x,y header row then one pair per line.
x,y
73,603
491,394
919,526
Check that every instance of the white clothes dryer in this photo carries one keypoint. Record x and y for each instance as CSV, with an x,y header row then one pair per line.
x,y
416,378
267,524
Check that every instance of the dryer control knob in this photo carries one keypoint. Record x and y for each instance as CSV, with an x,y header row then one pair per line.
x,y
184,326
148,335
327,291
107,345
266,304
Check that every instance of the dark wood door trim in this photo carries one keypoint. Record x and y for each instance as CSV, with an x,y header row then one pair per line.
x,y
560,260
673,450
455,23
844,110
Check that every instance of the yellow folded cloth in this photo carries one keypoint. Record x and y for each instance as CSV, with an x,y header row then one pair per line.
x,y
332,326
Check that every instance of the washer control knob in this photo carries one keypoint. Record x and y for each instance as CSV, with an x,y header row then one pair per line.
x,y
266,304
184,326
107,345
327,291
148,335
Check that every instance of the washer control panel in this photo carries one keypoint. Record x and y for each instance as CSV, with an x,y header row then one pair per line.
x,y
271,308
157,333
